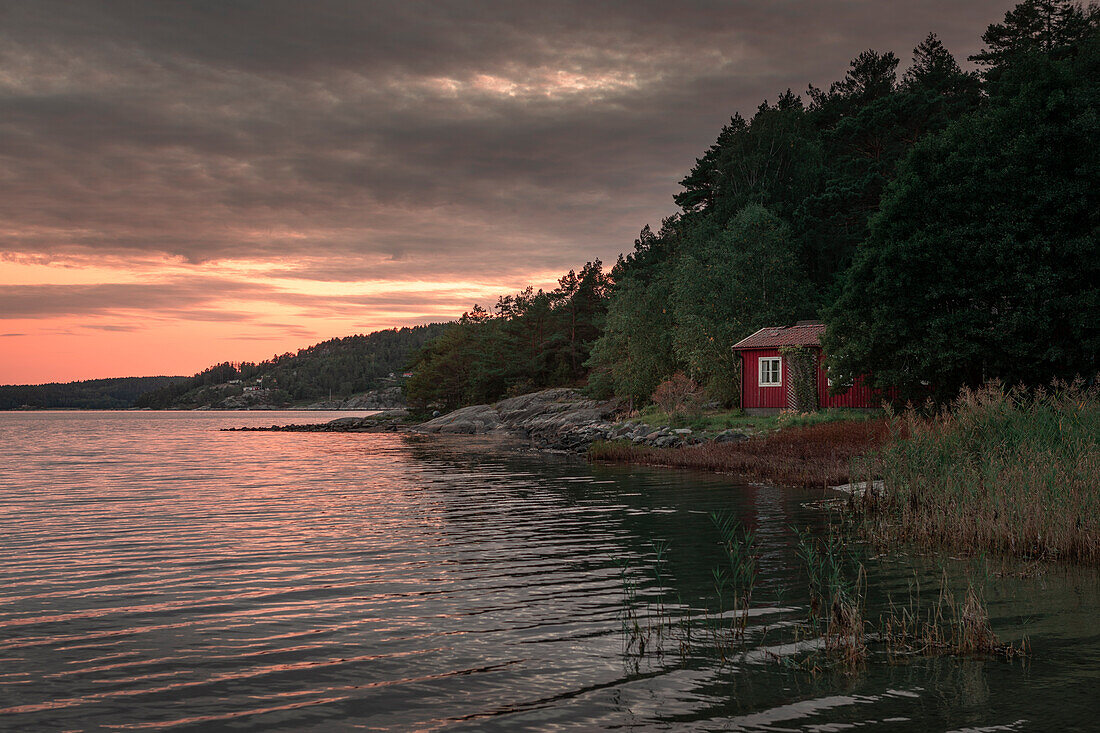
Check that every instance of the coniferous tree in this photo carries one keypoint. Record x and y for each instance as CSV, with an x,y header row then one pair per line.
x,y
1051,27
985,259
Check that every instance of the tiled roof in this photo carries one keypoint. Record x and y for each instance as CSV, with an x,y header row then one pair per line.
x,y
807,334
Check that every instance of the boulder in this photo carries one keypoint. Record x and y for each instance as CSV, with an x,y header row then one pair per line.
x,y
346,422
475,420
562,419
730,436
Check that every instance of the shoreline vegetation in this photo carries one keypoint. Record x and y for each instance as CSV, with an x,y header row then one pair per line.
x,y
1009,472
818,455
1005,471
838,631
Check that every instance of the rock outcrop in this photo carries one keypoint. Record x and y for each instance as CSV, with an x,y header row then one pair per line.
x,y
554,419
561,419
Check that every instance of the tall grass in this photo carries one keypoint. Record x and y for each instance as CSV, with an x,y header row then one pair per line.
x,y
836,633
1006,471
837,585
739,547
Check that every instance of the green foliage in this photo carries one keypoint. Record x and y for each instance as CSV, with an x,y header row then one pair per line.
x,y
533,340
802,375
1052,28
831,415
714,421
729,285
983,260
774,160
706,421
635,353
93,394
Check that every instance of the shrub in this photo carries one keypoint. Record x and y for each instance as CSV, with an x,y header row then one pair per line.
x,y
801,365
678,393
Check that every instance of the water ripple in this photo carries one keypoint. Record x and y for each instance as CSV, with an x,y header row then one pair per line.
x,y
159,574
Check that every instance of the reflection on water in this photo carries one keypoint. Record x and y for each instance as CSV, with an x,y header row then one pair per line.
x,y
158,573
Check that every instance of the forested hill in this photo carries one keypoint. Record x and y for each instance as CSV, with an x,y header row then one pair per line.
x,y
336,368
92,394
945,224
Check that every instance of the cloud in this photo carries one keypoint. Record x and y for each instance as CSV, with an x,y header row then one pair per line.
x,y
443,137
179,296
241,168
222,299
111,327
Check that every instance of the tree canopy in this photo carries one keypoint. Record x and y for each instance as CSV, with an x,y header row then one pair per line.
x,y
531,340
335,368
942,221
984,259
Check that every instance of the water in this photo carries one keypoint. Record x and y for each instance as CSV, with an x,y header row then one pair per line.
x,y
159,574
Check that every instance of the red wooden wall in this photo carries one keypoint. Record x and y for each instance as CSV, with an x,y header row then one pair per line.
x,y
753,395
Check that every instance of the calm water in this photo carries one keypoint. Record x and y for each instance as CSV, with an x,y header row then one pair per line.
x,y
157,573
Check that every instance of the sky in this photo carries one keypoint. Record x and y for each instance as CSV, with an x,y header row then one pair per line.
x,y
185,183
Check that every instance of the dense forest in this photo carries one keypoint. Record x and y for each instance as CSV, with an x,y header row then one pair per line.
x,y
92,394
331,369
529,340
943,223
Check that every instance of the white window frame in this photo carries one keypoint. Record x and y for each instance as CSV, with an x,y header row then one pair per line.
x,y
778,371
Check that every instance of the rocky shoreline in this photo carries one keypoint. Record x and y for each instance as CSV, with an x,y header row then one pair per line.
x,y
560,420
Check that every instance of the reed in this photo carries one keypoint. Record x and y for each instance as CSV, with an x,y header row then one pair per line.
x,y
947,627
739,546
837,585
1003,471
837,624
813,455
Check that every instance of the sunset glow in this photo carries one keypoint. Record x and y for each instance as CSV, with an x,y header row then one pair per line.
x,y
183,188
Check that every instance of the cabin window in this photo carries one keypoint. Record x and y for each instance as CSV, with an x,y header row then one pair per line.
x,y
771,371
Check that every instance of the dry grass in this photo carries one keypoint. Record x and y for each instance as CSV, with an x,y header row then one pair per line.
x,y
1008,472
947,627
814,455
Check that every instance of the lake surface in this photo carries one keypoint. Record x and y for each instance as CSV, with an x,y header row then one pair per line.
x,y
159,574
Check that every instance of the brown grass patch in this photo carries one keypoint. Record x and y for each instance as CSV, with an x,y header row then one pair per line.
x,y
814,455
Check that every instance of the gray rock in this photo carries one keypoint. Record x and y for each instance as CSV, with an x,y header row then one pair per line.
x,y
730,436
349,422
561,419
478,419
682,431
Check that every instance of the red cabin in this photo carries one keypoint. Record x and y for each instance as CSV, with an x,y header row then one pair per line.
x,y
765,388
